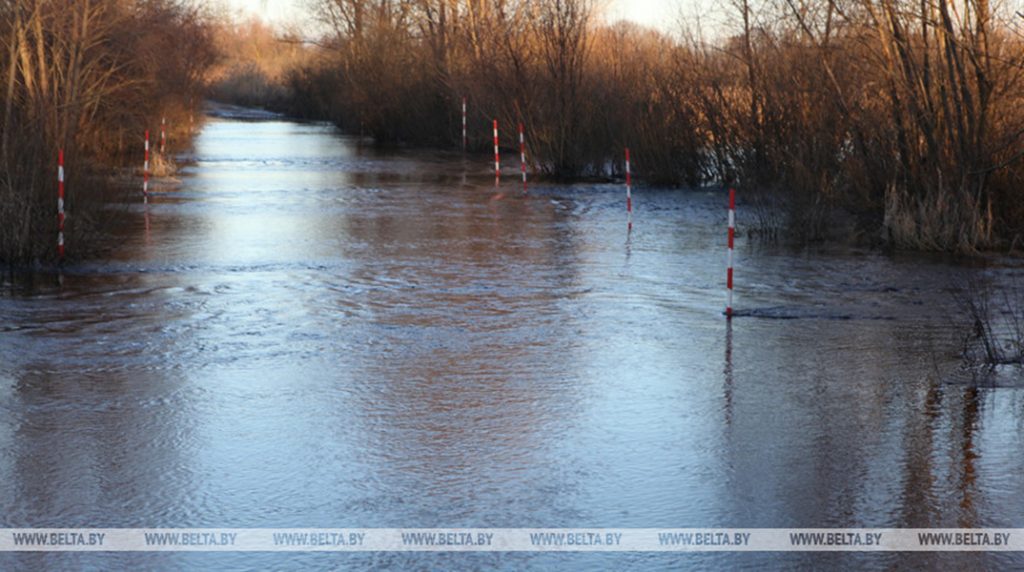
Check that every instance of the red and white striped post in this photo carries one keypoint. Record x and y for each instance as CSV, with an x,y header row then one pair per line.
x,y
163,135
465,134
732,240
60,204
145,172
629,192
497,157
522,154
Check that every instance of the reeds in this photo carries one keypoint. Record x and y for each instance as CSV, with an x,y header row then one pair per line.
x,y
993,323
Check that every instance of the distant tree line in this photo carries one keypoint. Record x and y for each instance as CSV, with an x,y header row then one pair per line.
x,y
907,115
88,77
254,64
904,116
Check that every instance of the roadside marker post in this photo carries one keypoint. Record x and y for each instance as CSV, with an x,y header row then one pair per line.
x,y
60,205
497,156
732,241
629,193
145,172
522,154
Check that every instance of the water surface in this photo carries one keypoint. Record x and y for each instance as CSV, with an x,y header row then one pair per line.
x,y
304,332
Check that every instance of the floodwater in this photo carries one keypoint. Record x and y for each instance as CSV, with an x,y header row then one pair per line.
x,y
305,332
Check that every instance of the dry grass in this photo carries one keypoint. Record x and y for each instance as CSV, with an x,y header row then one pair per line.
x,y
162,165
938,221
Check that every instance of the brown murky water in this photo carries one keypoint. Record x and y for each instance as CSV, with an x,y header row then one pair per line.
x,y
308,333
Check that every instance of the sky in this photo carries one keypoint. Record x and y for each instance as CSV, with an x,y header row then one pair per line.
x,y
283,11
660,14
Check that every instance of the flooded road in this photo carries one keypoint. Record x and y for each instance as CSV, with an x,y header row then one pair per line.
x,y
308,333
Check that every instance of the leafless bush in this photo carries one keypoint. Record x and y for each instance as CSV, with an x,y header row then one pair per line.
x,y
247,85
87,78
254,63
910,115
994,323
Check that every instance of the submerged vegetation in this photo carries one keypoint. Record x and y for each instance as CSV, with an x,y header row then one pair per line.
x,y
88,77
898,120
993,323
906,117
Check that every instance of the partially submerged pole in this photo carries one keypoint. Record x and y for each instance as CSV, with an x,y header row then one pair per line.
x,y
60,205
497,157
522,154
145,172
732,240
629,193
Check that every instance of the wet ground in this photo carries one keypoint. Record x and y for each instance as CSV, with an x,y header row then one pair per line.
x,y
305,332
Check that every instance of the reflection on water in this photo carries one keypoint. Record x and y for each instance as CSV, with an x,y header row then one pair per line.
x,y
310,333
